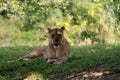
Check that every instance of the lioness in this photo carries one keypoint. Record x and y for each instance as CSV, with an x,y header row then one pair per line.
x,y
57,50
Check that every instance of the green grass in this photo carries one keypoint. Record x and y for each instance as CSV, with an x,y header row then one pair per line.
x,y
89,58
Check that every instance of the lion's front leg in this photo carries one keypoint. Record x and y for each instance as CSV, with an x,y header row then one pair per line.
x,y
60,60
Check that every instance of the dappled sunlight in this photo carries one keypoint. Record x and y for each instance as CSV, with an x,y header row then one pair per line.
x,y
108,47
34,77
101,75
89,75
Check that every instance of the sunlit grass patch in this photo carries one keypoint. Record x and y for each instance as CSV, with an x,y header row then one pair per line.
x,y
34,76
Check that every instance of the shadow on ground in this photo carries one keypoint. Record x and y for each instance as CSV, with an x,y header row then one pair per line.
x,y
96,62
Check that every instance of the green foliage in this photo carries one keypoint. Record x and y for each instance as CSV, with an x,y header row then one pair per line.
x,y
82,59
98,17
116,4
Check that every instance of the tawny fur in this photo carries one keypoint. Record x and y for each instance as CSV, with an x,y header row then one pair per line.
x,y
51,52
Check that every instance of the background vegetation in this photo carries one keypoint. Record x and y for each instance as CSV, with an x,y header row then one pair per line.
x,y
25,22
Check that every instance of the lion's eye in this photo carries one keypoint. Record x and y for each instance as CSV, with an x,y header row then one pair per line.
x,y
52,35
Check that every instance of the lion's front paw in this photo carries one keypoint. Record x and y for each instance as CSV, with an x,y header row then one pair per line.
x,y
58,62
51,60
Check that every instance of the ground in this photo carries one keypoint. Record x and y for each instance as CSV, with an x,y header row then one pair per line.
x,y
95,62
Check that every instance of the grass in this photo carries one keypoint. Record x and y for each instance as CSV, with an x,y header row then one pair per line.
x,y
90,58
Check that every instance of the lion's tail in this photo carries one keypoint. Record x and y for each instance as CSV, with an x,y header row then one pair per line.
x,y
11,61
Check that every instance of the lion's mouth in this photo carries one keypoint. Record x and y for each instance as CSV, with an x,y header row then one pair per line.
x,y
56,45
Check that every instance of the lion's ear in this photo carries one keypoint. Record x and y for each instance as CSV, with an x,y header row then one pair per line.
x,y
49,30
63,28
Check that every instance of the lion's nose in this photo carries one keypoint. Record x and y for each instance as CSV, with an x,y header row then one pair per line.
x,y
56,41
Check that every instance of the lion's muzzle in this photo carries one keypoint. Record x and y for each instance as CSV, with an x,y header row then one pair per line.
x,y
56,44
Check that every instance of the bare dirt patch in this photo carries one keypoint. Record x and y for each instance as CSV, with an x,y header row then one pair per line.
x,y
95,76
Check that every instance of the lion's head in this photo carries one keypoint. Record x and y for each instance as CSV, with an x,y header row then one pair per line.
x,y
56,35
